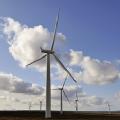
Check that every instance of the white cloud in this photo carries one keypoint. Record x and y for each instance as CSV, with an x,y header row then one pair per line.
x,y
11,83
98,72
93,100
117,96
25,42
92,103
76,57
89,70
19,98
92,71
9,98
25,45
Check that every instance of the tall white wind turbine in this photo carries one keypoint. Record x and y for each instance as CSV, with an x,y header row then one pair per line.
x,y
48,81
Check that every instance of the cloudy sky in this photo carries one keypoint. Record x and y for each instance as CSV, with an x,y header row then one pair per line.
x,y
87,42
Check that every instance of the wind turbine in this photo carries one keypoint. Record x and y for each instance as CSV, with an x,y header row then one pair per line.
x,y
30,105
109,107
61,95
48,81
76,102
40,105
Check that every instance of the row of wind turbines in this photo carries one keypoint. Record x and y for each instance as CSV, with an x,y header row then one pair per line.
x,y
47,53
61,101
76,100
30,105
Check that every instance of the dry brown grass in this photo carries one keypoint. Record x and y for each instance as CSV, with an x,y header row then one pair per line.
x,y
68,115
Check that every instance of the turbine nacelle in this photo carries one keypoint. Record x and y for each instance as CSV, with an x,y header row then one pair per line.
x,y
47,51
60,88
76,100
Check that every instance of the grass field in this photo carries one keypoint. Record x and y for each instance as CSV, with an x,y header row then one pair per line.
x,y
69,115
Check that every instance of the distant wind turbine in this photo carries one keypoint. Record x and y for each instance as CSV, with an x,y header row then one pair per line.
x,y
30,105
40,105
61,95
109,107
76,102
48,82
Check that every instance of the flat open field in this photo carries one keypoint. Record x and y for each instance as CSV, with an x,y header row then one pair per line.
x,y
69,115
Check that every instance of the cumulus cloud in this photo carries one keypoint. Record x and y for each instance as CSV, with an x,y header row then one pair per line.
x,y
75,57
117,96
9,98
92,100
25,42
24,46
89,70
15,85
11,83
97,72
92,71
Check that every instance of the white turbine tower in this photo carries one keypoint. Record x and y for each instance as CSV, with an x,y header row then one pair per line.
x,y
40,105
48,82
61,95
76,102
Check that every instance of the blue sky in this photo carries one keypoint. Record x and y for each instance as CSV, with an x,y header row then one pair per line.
x,y
95,23
91,26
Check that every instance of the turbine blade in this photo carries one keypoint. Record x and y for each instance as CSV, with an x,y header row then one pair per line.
x,y
64,67
55,89
55,30
66,96
41,48
65,81
37,60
